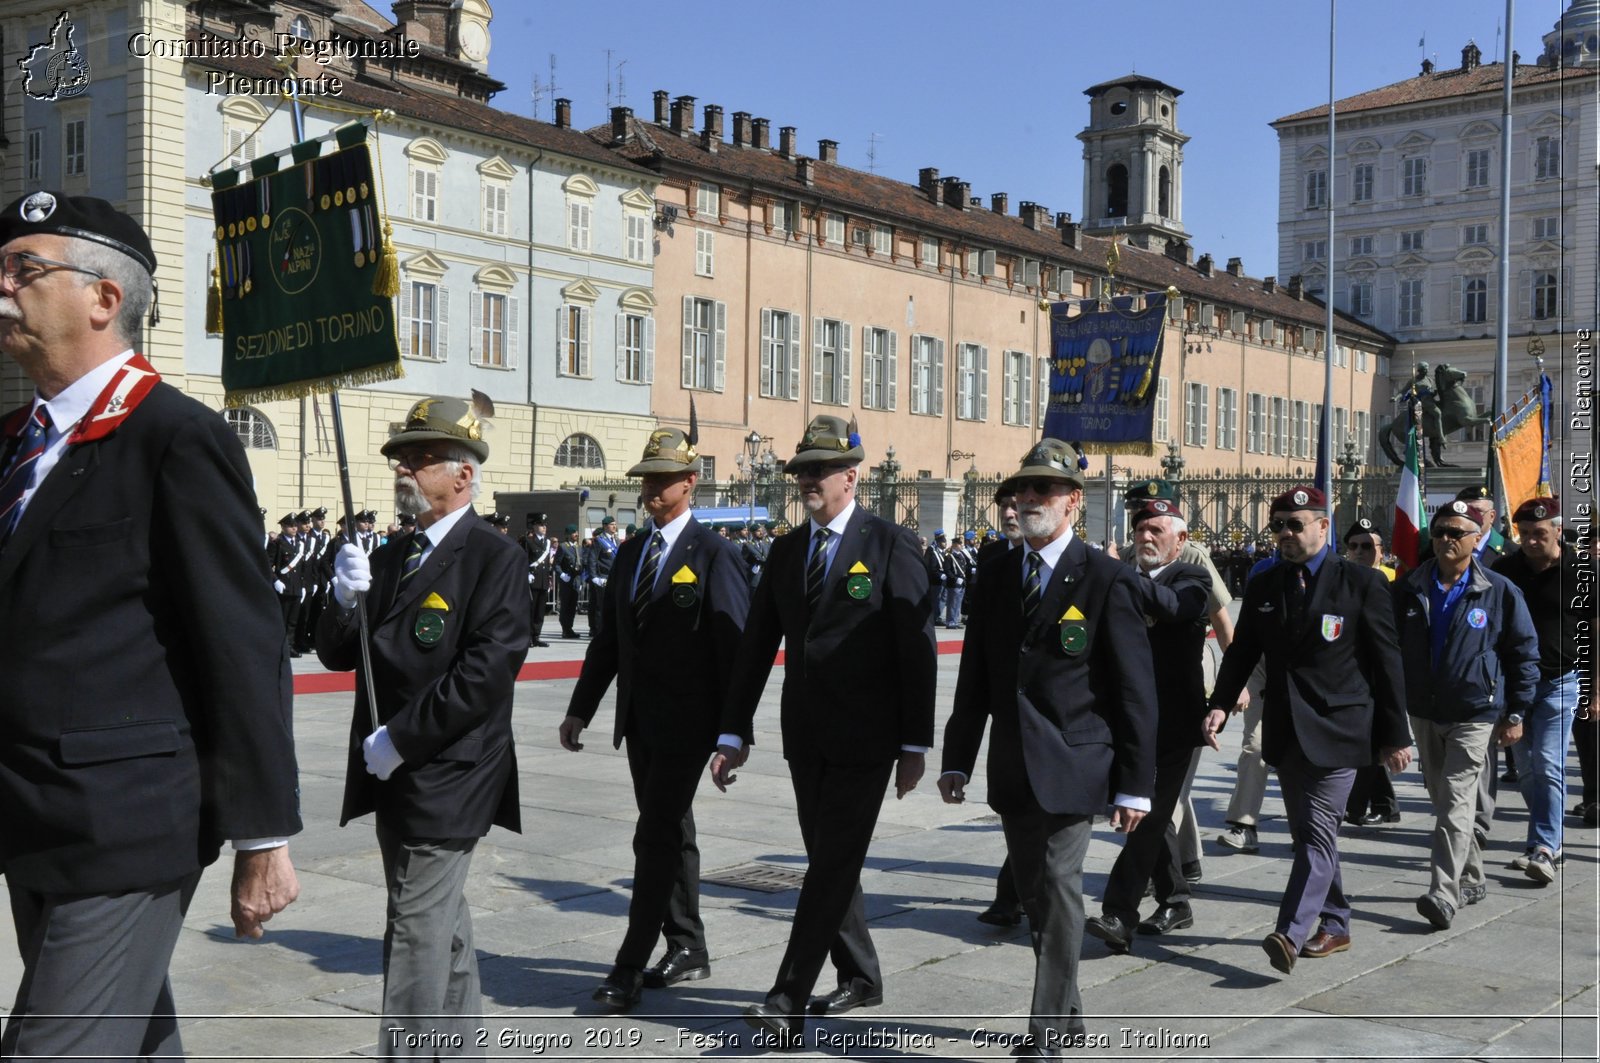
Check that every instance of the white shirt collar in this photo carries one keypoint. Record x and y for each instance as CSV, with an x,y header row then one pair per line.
x,y
68,408
669,531
1051,551
837,524
436,531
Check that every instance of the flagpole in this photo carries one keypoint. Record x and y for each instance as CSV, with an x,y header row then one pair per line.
x,y
1325,465
1502,327
297,118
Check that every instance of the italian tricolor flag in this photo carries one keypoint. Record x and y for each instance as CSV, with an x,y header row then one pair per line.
x,y
1407,535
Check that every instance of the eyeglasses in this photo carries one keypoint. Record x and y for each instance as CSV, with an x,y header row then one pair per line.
x,y
1294,524
414,460
1040,486
1452,533
816,470
23,266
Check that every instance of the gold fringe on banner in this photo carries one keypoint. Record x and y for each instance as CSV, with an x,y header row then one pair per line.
x,y
386,280
1132,449
214,303
320,385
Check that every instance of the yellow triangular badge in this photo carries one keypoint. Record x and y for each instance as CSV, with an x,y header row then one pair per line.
x,y
858,567
685,575
1072,613
433,601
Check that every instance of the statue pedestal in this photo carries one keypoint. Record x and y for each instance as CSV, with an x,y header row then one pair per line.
x,y
1440,485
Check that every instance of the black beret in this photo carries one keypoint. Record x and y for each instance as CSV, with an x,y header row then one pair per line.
x,y
1363,526
80,217
406,518
1478,493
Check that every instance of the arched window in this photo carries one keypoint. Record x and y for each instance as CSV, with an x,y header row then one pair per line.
x,y
579,451
1164,193
252,427
1117,191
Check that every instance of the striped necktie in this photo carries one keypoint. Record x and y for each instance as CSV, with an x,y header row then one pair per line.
x,y
647,574
413,558
30,445
1032,588
817,570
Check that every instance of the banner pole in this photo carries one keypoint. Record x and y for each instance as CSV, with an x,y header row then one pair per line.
x,y
297,117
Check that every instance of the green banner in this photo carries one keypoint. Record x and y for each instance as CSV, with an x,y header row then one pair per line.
x,y
299,240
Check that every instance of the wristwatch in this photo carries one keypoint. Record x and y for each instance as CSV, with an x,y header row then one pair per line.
x,y
1514,719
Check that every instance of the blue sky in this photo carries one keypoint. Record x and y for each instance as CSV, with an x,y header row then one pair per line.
x,y
992,92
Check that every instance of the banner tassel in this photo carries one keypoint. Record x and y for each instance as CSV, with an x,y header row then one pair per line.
x,y
386,281
214,303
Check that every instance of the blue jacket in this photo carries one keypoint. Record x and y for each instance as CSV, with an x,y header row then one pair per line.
x,y
1491,652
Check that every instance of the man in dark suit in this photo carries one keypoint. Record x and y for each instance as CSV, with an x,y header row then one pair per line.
x,y
147,709
286,554
1335,701
1172,596
1006,909
569,575
434,758
541,551
1057,655
849,593
598,561
678,604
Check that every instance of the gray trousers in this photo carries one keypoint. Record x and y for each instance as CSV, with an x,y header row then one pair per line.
x,y
1250,784
1314,799
1452,762
1047,852
431,1004
94,982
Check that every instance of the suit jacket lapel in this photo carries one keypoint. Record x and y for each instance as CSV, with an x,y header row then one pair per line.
x,y
682,553
1063,583
440,558
58,487
847,554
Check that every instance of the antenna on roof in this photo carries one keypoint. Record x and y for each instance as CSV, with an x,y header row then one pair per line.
x,y
872,151
621,94
541,92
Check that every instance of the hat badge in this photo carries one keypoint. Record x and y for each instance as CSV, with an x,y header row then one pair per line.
x,y
419,412
1151,489
1301,498
1458,508
1540,513
38,207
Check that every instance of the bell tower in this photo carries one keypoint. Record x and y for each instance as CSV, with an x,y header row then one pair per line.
x,y
1133,162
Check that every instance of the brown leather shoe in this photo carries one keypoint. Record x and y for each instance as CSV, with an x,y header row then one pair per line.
x,y
1325,944
1280,951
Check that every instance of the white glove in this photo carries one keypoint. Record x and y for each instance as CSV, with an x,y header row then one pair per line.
x,y
960,581
565,578
352,575
530,578
382,758
278,586
599,581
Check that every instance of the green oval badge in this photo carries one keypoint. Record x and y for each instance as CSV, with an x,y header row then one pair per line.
x,y
684,595
858,587
1074,639
429,628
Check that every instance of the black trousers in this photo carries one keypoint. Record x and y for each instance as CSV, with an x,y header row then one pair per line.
x,y
1373,791
1145,853
838,807
537,597
567,604
666,860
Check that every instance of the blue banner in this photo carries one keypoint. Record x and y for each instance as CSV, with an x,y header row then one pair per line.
x,y
1104,369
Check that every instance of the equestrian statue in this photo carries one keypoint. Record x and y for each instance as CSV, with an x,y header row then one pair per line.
x,y
1446,407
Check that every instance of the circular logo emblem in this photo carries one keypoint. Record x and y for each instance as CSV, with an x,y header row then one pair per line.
x,y
429,628
1540,513
38,207
858,587
294,251
1074,639
684,595
1477,618
1301,498
1458,508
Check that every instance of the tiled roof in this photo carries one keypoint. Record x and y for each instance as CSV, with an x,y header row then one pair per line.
x,y
448,111
1130,80
1443,84
876,197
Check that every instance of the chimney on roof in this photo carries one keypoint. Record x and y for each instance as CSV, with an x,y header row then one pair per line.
x,y
806,170
828,151
1071,231
956,192
741,129
1269,284
760,134
1180,251
711,135
620,117
683,116
663,108
1236,266
1035,216
1000,202
424,21
786,141
1427,67
975,202
928,181
1471,57
1204,266
1297,287
563,114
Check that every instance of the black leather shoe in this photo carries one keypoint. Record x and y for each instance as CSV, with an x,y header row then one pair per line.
x,y
678,965
1167,919
1113,931
1192,873
1378,819
621,988
778,1029
845,998
998,914
541,643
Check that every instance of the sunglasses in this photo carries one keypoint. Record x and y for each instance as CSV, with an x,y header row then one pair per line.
x,y
414,460
1453,534
816,470
1040,486
1294,524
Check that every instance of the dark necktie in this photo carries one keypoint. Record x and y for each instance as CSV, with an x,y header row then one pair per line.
x,y
1296,591
413,558
647,574
817,569
30,445
1032,588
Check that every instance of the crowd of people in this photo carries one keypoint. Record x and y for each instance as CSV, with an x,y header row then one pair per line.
x,y
123,500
